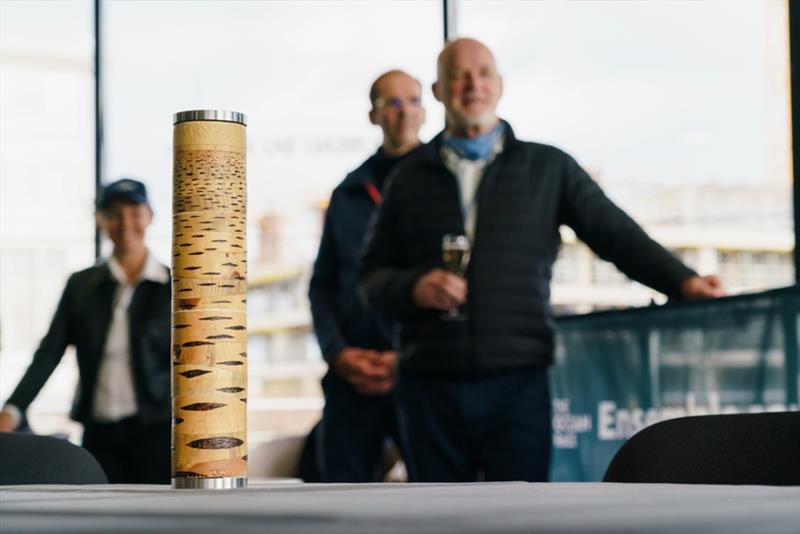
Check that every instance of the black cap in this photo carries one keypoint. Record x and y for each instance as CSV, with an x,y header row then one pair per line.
x,y
124,189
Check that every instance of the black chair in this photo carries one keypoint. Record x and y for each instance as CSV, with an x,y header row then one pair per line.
x,y
32,459
760,449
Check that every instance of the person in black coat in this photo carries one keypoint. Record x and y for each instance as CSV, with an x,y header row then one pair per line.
x,y
475,391
359,410
117,316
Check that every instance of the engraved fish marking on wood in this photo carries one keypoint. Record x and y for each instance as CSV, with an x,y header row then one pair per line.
x,y
191,373
215,443
187,304
203,406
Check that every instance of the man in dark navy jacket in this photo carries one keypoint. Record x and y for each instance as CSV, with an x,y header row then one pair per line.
x,y
475,391
359,405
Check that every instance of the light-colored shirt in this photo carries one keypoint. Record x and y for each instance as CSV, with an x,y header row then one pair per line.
x,y
114,394
469,173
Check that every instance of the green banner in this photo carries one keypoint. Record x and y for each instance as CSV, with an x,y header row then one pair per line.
x,y
620,371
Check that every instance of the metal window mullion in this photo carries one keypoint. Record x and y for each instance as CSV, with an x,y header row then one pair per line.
x,y
98,117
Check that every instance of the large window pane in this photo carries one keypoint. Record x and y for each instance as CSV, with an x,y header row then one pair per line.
x,y
46,184
301,72
679,109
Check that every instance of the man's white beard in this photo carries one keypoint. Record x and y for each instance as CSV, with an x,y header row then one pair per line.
x,y
481,121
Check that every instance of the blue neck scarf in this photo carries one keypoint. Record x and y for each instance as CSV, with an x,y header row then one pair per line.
x,y
476,148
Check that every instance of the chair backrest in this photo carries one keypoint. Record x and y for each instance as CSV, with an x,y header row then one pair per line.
x,y
32,459
760,449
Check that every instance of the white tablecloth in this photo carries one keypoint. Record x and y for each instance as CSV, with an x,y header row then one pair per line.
x,y
404,508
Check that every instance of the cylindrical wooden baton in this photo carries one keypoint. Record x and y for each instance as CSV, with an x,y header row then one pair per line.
x,y
209,295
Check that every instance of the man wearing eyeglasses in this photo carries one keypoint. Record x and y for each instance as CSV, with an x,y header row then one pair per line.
x,y
359,408
474,391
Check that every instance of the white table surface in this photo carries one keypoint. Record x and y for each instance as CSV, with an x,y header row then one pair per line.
x,y
404,508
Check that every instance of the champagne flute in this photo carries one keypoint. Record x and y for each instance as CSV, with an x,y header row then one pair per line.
x,y
455,256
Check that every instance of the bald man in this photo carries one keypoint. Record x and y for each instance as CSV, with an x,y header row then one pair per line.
x,y
475,391
359,408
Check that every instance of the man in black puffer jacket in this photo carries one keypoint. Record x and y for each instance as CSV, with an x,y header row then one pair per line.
x,y
356,342
474,391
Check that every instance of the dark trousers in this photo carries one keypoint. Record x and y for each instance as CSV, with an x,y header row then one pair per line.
x,y
131,452
353,432
496,427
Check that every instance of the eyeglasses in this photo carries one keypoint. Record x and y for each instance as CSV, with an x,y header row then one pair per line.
x,y
397,103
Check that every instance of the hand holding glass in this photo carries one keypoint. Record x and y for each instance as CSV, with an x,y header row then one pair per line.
x,y
455,256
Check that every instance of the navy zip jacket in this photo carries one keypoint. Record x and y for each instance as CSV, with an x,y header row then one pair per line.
x,y
340,318
526,193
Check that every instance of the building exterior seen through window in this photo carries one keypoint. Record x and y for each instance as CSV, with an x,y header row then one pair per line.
x,y
653,105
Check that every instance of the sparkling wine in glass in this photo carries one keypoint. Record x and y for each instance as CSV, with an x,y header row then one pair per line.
x,y
455,256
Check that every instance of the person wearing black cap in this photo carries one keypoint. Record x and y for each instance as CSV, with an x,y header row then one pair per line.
x,y
117,316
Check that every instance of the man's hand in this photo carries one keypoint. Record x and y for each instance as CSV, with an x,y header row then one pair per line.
x,y
384,365
370,372
7,422
439,290
701,287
